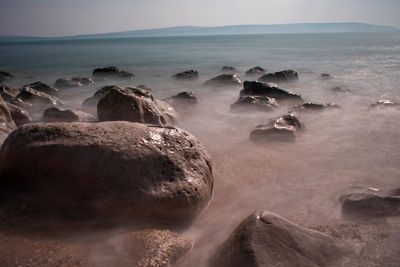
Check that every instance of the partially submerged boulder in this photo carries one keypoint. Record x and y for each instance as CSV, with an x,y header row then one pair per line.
x,y
112,73
42,87
4,76
256,71
282,129
263,89
54,114
83,80
7,124
19,115
258,103
311,106
224,80
266,239
182,98
64,83
339,89
131,104
385,103
228,69
187,75
106,170
280,76
372,205
326,76
37,99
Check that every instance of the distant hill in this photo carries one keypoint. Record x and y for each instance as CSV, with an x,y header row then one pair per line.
x,y
233,30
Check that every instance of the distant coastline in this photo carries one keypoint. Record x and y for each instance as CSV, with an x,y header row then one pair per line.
x,y
227,30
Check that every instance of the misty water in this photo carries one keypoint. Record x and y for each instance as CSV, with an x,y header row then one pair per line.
x,y
352,149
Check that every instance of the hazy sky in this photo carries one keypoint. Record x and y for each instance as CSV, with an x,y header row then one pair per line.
x,y
69,17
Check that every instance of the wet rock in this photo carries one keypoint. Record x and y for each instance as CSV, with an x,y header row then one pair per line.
x,y
280,76
326,76
144,87
256,71
266,239
106,170
112,73
57,115
90,104
83,80
168,110
8,93
42,87
131,104
5,76
367,204
339,89
259,103
19,115
187,75
264,89
224,80
37,99
228,69
7,124
64,83
385,103
182,98
310,106
282,129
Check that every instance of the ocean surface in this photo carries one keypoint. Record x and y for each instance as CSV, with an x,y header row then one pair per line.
x,y
353,149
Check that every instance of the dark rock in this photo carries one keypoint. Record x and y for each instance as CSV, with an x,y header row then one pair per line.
x,y
228,69
106,170
282,129
19,115
395,192
187,75
280,76
144,87
90,104
339,89
326,76
131,104
266,239
7,124
56,115
385,103
182,98
168,110
36,98
367,204
83,80
256,71
64,83
259,103
309,106
4,76
8,93
112,73
224,80
42,87
263,89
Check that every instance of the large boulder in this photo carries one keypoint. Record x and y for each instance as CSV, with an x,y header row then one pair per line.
x,y
282,129
224,80
131,104
264,89
54,114
37,99
280,76
4,76
19,115
106,170
187,75
90,104
258,103
7,124
64,83
256,71
372,205
266,239
42,87
112,73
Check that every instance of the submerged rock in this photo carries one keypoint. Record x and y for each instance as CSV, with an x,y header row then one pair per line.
x,y
367,204
282,129
182,98
280,76
266,239
112,73
64,83
264,89
131,104
224,80
7,124
385,103
37,99
256,71
106,170
339,89
259,103
4,76
326,76
19,115
228,69
187,75
310,106
83,80
144,87
42,87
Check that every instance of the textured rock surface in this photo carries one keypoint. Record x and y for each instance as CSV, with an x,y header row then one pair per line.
x,y
266,239
19,115
224,80
42,87
280,76
264,89
187,75
90,104
8,93
112,73
7,124
259,103
107,169
368,204
37,99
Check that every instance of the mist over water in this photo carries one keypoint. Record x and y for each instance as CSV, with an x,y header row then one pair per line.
x,y
341,151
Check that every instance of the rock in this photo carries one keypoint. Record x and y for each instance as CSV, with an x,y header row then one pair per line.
x,y
4,76
264,89
64,83
168,110
256,71
310,106
339,89
57,115
224,80
373,205
7,124
182,98
385,103
259,103
187,75
83,80
19,115
42,87
8,93
131,104
282,129
280,76
228,69
144,87
395,192
112,73
326,76
107,170
266,239
90,104
36,98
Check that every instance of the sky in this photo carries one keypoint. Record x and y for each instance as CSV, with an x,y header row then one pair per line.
x,y
72,17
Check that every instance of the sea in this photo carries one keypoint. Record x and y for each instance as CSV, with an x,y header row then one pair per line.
x,y
352,149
